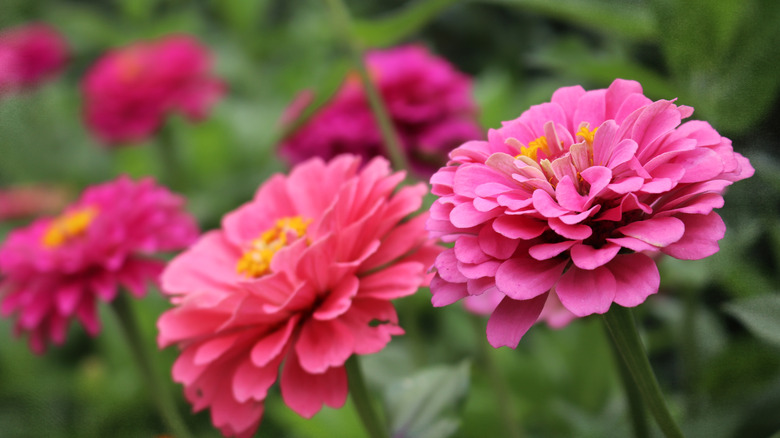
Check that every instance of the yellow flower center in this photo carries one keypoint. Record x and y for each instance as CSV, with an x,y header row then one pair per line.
x,y
256,261
533,147
68,226
587,134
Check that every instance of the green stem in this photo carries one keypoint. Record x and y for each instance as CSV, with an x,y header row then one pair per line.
x,y
620,324
172,170
505,404
343,22
165,403
635,406
362,400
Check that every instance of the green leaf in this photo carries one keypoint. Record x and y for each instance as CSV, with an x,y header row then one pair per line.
x,y
389,30
419,406
627,19
760,314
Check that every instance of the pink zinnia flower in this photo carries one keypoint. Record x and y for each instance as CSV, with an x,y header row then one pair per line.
x,y
571,198
302,276
56,268
29,55
429,102
130,91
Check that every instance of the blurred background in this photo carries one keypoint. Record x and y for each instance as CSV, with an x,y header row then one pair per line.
x,y
713,331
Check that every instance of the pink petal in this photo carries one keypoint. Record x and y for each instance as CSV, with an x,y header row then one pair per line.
x,y
519,227
445,293
466,216
338,300
659,232
700,240
636,276
588,257
523,279
396,281
305,393
546,205
585,292
495,244
273,343
544,251
252,382
323,344
574,232
468,250
511,320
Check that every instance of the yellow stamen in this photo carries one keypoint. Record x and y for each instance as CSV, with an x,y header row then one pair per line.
x,y
68,226
587,134
533,147
256,261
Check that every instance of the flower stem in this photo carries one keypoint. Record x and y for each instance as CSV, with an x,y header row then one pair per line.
x,y
635,406
362,400
620,324
343,22
504,401
172,171
163,399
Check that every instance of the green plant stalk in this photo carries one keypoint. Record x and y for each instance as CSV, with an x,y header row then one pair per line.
x,y
621,327
343,22
504,401
162,398
362,401
172,172
636,408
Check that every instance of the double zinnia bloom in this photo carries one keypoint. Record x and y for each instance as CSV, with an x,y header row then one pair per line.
x,y
129,92
428,101
572,200
300,277
57,268
30,54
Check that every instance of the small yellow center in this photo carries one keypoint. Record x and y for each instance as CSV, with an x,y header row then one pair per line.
x,y
533,147
587,134
68,226
256,261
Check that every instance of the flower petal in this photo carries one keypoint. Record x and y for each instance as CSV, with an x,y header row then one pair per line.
x,y
511,319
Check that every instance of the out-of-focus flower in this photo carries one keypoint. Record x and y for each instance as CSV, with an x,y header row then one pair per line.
x,y
302,276
30,54
429,102
130,91
26,201
571,197
56,268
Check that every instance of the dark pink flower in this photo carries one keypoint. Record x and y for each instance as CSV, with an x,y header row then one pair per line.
x,y
570,198
300,277
429,102
130,91
29,55
56,268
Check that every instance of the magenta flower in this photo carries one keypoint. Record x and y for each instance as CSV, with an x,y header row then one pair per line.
x,y
29,55
570,200
429,102
130,91
301,276
56,268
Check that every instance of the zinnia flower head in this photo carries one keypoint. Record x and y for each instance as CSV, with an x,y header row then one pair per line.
x,y
570,201
429,102
300,277
30,54
130,91
55,269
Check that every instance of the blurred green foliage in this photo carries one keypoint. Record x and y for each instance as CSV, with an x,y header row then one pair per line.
x,y
712,331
